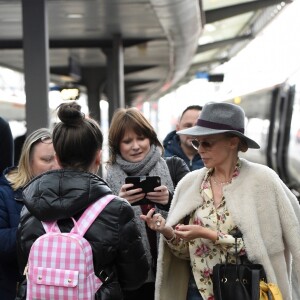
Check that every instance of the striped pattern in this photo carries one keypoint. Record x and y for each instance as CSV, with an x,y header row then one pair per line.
x,y
61,264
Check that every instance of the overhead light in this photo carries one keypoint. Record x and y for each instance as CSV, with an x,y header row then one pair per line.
x,y
237,100
205,39
70,93
210,27
75,16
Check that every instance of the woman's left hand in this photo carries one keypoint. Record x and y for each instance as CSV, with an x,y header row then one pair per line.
x,y
160,195
191,232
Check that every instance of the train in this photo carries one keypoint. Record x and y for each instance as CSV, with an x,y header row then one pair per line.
x,y
273,121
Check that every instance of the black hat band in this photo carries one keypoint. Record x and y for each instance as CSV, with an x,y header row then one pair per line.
x,y
218,126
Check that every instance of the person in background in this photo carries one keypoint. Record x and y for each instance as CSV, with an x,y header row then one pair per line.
x,y
180,145
18,143
59,195
37,156
136,151
227,195
6,146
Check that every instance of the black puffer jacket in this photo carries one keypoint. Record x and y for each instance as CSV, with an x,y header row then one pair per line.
x,y
114,237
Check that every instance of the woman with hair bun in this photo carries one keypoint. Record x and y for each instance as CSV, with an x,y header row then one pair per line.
x,y
66,193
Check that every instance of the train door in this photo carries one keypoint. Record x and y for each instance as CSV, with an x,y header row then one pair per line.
x,y
292,151
285,106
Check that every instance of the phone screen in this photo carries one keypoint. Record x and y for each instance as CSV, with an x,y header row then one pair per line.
x,y
147,183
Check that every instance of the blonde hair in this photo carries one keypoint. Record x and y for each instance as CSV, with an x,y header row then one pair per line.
x,y
21,175
128,119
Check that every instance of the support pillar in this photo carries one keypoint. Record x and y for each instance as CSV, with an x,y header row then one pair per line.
x,y
93,79
115,75
36,63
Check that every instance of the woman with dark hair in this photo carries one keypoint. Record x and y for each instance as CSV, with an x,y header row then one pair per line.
x,y
6,146
136,151
37,156
66,193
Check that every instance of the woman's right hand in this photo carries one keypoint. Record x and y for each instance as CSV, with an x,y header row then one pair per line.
x,y
131,195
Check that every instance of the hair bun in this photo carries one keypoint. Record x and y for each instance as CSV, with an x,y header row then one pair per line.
x,y
70,113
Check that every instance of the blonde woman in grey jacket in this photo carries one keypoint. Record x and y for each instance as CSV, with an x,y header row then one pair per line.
x,y
209,203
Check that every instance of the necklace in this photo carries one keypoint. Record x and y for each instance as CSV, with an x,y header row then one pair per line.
x,y
220,182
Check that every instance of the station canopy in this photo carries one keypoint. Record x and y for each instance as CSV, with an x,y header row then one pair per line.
x,y
166,43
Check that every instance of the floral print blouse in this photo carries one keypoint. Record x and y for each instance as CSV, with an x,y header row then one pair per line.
x,y
203,253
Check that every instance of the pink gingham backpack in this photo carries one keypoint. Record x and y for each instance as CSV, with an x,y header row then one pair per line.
x,y
60,265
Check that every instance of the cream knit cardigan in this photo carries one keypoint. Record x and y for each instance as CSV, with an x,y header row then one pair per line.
x,y
265,210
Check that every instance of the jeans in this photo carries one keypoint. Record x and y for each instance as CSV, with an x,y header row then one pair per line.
x,y
193,292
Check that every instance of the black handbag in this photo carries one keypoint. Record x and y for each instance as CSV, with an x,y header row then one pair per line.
x,y
237,281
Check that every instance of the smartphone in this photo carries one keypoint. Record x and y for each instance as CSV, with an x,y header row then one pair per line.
x,y
147,183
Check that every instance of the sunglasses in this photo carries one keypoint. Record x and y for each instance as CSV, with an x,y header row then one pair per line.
x,y
44,139
205,144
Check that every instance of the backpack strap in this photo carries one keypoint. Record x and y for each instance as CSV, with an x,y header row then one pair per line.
x,y
90,214
50,226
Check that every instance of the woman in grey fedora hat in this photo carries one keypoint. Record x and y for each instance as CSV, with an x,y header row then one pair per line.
x,y
229,193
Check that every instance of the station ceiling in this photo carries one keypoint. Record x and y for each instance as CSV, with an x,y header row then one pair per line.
x,y
166,42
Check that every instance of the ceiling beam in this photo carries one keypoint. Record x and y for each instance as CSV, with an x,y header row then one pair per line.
x,y
134,90
195,67
130,83
221,13
127,69
139,68
75,43
223,43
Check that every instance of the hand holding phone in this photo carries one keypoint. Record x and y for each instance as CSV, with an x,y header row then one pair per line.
x,y
146,183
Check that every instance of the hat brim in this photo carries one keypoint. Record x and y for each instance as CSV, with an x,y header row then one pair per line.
x,y
200,131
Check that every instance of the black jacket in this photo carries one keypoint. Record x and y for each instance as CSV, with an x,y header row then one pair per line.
x,y
177,168
114,237
172,147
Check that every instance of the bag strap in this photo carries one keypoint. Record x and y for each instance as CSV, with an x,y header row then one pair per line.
x,y
85,220
90,214
50,226
255,284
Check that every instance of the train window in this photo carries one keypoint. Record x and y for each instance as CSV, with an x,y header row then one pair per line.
x,y
257,111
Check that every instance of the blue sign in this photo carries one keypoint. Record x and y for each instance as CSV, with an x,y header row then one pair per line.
x,y
201,75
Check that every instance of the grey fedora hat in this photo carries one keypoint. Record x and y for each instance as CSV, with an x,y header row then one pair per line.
x,y
221,117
